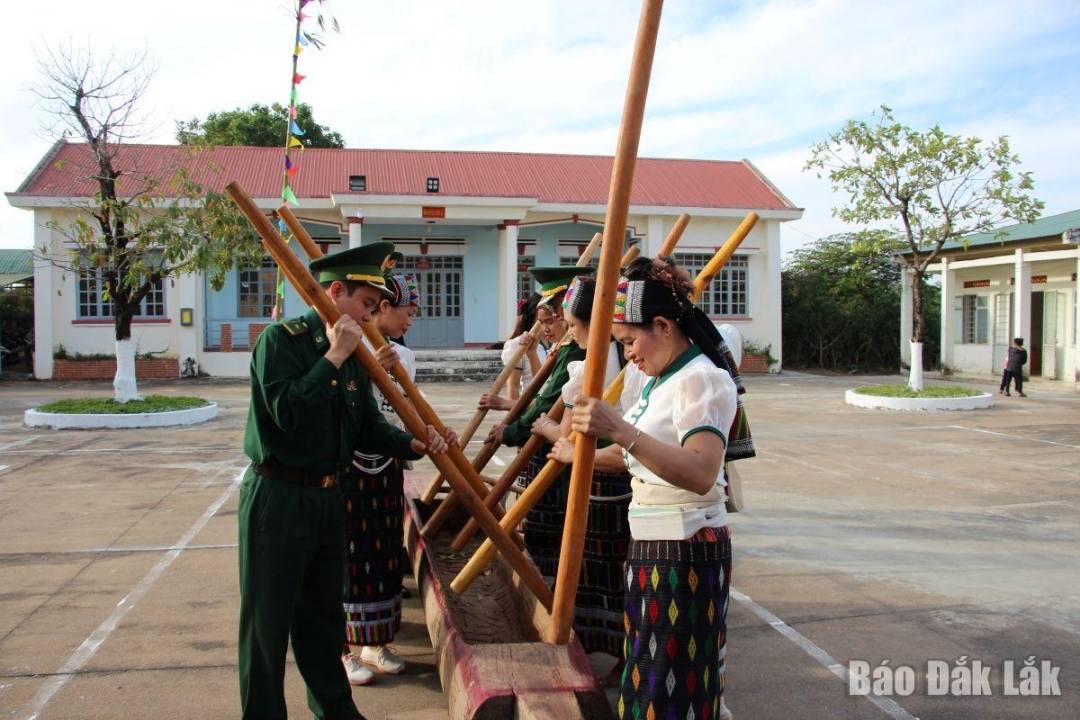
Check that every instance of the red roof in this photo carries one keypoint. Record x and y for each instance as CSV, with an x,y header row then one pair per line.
x,y
574,179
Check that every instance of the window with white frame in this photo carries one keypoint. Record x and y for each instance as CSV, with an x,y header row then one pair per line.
x,y
727,295
594,261
976,320
93,303
258,288
525,282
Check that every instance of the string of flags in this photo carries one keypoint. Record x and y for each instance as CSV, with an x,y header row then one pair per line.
x,y
295,132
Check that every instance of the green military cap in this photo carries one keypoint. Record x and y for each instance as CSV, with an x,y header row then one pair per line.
x,y
363,264
554,280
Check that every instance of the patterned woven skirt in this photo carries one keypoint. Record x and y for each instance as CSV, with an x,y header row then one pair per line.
x,y
374,535
544,522
676,626
598,607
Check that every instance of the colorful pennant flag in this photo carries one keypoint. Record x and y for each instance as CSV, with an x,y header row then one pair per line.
x,y
295,129
295,142
289,196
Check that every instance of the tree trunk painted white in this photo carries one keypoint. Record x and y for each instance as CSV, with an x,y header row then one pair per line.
x,y
124,382
915,378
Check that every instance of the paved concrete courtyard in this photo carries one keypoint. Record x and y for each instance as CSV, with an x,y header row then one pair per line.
x,y
869,536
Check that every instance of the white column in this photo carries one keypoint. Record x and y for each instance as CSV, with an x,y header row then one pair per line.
x,y
187,296
948,290
907,314
356,225
1022,301
1075,326
654,236
772,311
507,283
45,304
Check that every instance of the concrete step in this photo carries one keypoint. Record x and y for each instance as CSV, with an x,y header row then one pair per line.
x,y
456,364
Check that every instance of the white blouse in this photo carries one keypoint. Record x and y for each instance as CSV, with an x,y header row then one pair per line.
x,y
576,382
512,346
694,396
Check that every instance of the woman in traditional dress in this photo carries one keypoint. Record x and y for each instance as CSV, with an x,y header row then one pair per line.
x,y
672,440
543,524
374,495
598,607
536,349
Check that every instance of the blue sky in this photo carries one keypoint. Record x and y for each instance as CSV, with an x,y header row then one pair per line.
x,y
760,80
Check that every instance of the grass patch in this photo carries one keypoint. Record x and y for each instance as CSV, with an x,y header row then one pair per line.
x,y
109,406
929,391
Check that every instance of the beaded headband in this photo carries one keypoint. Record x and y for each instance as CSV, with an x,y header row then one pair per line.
x,y
404,289
628,301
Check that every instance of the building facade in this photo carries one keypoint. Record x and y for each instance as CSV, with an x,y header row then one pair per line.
x,y
468,224
996,289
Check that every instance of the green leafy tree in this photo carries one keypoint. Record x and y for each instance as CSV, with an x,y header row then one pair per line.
x,y
259,125
140,228
926,187
841,303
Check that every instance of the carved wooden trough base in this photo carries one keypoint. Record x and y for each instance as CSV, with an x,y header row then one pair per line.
x,y
493,662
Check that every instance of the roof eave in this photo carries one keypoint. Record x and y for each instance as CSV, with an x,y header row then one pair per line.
x,y
782,215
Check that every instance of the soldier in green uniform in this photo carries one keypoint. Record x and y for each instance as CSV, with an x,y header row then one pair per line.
x,y
310,407
543,524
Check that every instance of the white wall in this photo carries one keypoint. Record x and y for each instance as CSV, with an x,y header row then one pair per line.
x,y
56,296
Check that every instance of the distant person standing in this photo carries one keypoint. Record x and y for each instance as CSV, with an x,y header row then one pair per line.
x,y
1014,368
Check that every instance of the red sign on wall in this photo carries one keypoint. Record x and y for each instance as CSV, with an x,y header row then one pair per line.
x,y
431,211
976,283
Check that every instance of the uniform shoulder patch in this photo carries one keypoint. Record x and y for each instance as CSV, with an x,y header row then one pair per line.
x,y
295,327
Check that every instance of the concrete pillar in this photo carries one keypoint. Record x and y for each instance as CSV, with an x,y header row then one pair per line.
x,y
1022,301
948,291
188,338
507,272
356,225
907,314
772,310
45,305
1075,326
654,236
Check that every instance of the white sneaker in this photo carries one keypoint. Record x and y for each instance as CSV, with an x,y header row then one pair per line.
x,y
723,713
382,659
355,670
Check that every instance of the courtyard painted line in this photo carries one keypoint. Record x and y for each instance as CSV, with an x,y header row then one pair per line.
x,y
128,451
4,467
169,548
1013,436
812,466
887,706
90,645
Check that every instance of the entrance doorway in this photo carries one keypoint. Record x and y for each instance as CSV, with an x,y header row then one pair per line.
x,y
440,322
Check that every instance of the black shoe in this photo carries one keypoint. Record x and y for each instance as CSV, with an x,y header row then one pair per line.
x,y
1021,394
1008,394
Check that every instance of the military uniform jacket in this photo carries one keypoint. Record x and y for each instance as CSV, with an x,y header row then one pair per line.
x,y
517,432
307,414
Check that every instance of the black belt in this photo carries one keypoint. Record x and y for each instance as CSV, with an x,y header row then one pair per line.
x,y
279,472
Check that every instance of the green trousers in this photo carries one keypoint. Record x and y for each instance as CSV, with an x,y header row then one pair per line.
x,y
292,568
